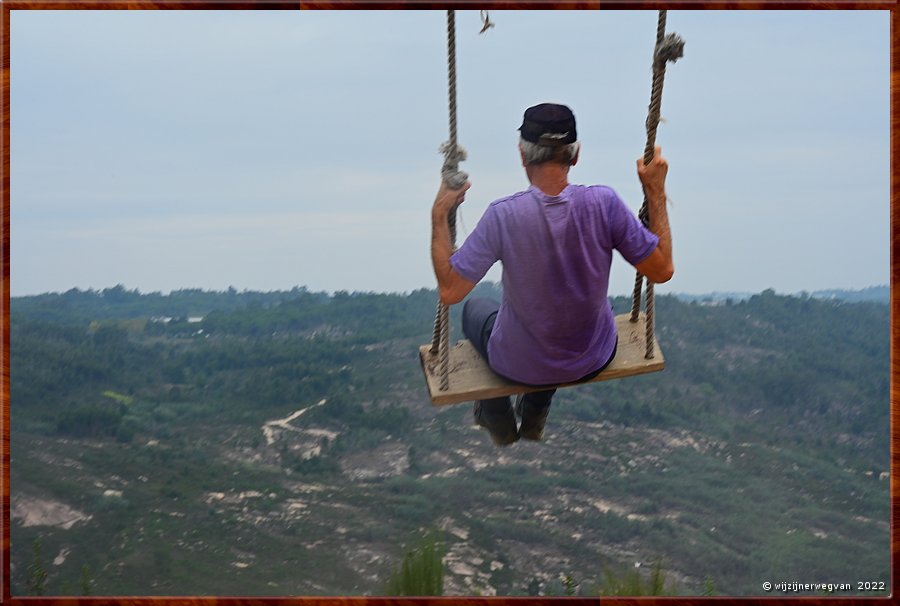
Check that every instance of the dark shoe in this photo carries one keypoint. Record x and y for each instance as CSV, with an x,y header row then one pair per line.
x,y
501,425
533,418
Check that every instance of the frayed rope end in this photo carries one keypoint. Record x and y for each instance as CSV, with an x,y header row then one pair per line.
x,y
670,49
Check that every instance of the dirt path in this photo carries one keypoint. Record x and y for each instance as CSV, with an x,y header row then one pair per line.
x,y
271,429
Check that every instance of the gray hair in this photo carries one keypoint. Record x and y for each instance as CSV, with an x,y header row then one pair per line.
x,y
539,154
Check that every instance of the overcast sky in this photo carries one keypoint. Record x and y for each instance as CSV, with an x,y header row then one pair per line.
x,y
265,150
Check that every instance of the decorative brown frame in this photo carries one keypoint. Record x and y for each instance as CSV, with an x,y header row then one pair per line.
x,y
10,5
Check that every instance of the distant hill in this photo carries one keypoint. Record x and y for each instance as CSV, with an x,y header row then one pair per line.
x,y
119,302
875,294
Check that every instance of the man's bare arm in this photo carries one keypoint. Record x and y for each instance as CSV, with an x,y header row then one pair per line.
x,y
658,266
452,287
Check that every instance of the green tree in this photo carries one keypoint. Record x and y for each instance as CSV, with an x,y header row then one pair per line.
x,y
422,570
633,584
569,584
85,580
37,573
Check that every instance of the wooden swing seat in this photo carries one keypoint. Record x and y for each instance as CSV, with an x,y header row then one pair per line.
x,y
472,379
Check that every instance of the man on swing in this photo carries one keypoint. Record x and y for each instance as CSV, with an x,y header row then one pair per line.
x,y
555,240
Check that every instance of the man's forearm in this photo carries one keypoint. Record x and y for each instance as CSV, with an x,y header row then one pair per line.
x,y
441,249
452,287
659,266
659,223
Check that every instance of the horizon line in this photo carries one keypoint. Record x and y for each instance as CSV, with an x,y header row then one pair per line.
x,y
120,286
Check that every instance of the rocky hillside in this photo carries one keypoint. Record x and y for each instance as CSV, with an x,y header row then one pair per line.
x,y
283,444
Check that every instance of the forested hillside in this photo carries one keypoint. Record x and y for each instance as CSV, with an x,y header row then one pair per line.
x,y
283,443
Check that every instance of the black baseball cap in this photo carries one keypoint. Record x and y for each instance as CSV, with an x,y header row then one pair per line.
x,y
549,124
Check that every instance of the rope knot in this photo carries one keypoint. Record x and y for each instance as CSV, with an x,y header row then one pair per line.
x,y
450,173
670,49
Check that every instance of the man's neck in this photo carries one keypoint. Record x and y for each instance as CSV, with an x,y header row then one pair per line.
x,y
550,177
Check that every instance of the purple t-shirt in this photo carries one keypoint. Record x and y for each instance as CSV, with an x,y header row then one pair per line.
x,y
555,324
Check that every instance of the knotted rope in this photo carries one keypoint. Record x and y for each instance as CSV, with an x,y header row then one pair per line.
x,y
668,48
455,178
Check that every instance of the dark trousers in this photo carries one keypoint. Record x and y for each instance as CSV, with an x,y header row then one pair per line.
x,y
478,317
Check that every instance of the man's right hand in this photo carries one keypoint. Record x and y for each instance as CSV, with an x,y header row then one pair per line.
x,y
658,267
653,175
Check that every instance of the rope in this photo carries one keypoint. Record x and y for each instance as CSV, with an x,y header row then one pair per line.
x,y
668,48
453,153
655,99
455,178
